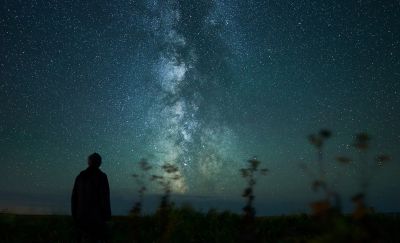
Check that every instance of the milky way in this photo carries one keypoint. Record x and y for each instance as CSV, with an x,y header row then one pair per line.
x,y
181,136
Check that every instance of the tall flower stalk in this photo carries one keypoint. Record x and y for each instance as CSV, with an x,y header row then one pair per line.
x,y
141,179
250,174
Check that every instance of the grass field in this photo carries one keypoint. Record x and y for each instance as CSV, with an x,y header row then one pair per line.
x,y
188,225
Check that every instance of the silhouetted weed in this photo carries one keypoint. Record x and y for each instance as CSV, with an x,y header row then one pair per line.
x,y
250,174
324,206
335,227
141,178
367,168
171,174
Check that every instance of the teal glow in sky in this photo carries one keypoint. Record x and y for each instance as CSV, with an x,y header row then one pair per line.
x,y
203,84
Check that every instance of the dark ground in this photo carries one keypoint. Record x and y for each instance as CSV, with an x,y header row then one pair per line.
x,y
187,225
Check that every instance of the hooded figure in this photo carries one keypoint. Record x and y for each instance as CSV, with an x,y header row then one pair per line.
x,y
90,201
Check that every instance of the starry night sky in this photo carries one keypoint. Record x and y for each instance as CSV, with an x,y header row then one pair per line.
x,y
203,84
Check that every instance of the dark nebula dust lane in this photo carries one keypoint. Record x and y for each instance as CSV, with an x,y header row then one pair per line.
x,y
202,84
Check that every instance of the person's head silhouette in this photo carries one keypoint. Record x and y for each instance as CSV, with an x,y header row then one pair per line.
x,y
94,160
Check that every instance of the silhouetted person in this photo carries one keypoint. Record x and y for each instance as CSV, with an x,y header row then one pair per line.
x,y
90,201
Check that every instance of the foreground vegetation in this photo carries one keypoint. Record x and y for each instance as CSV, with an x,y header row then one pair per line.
x,y
326,223
188,225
